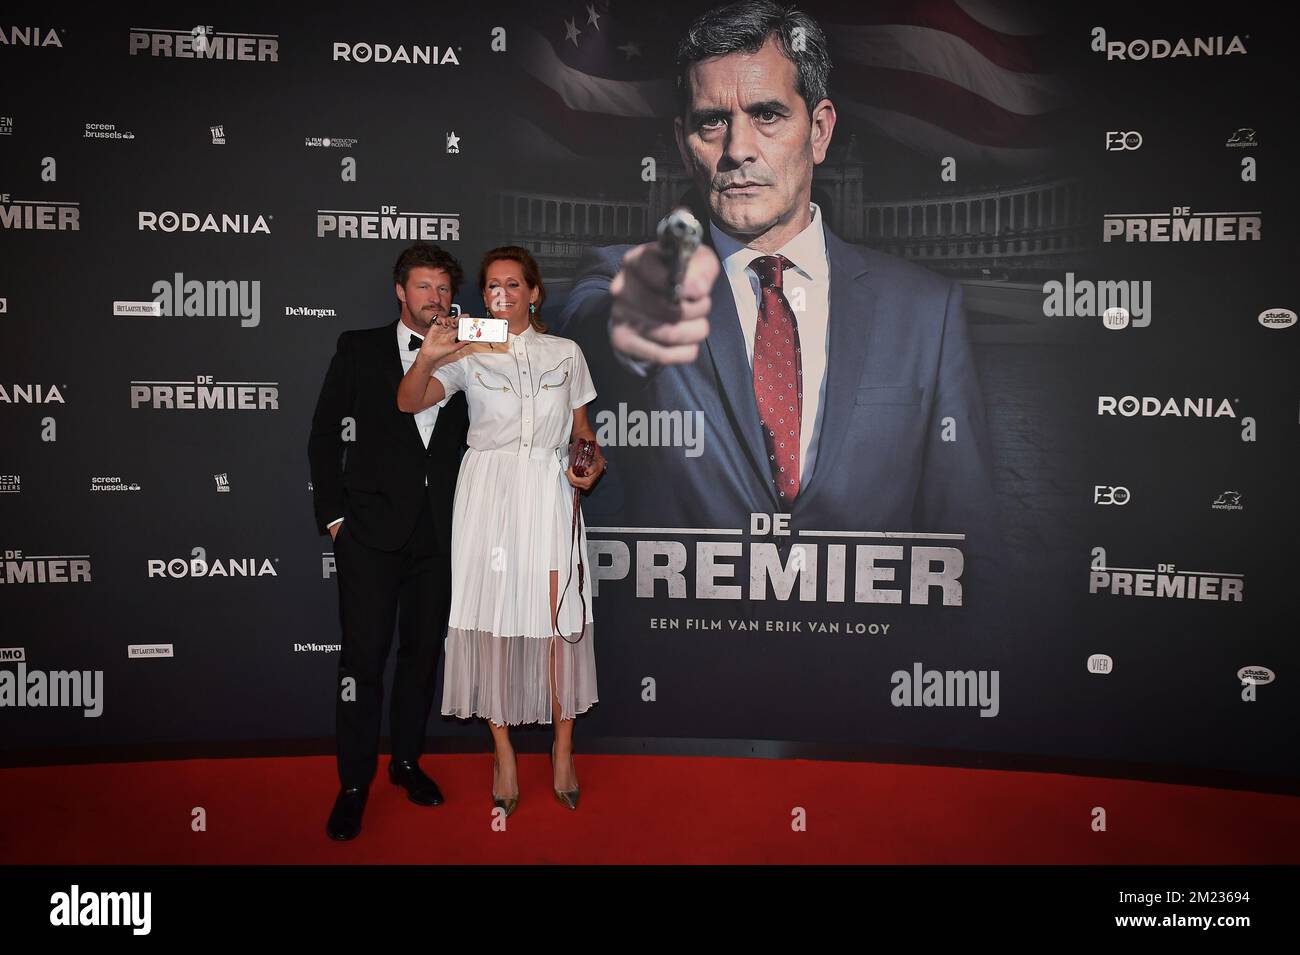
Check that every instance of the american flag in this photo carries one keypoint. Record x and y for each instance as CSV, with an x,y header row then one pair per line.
x,y
964,78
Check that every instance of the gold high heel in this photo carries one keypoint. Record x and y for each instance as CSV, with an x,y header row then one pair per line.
x,y
508,803
567,797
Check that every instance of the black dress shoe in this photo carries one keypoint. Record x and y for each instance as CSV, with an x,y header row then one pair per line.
x,y
420,789
345,819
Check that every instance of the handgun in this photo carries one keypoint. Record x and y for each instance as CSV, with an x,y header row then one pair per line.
x,y
680,235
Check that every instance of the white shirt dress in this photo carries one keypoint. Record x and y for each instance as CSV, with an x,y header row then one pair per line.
x,y
512,525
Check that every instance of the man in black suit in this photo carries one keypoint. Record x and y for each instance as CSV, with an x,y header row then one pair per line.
x,y
383,487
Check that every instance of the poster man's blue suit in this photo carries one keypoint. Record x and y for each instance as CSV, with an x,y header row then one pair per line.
x,y
903,444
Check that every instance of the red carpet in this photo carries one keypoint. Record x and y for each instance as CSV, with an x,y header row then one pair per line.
x,y
634,809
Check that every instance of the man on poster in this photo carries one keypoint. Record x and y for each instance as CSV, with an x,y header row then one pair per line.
x,y
836,383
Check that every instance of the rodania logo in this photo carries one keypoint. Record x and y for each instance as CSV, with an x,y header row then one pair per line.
x,y
383,53
179,567
1163,49
1277,318
1130,406
30,395
30,36
203,222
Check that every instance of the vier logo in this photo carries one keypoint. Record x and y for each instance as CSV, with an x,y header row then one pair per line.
x,y
1117,304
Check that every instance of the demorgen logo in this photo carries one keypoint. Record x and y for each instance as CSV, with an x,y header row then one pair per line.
x,y
210,299
387,223
1083,298
17,567
30,395
1130,406
203,43
226,222
304,311
206,394
177,568
39,215
413,55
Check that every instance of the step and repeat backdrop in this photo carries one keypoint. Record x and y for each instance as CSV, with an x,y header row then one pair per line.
x,y
1052,507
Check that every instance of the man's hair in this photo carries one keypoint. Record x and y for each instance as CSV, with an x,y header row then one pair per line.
x,y
744,27
424,255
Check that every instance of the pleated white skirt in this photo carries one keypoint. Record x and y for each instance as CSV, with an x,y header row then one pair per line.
x,y
511,527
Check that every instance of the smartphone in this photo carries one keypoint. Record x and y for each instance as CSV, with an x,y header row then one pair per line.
x,y
482,329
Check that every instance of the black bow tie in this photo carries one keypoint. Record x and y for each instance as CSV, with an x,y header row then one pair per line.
x,y
415,342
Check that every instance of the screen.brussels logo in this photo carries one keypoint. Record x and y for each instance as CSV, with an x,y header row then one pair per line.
x,y
1118,304
30,36
109,484
1162,48
205,43
1181,224
182,298
106,131
410,55
247,223
199,565
205,393
387,222
41,215
18,567
31,394
1163,580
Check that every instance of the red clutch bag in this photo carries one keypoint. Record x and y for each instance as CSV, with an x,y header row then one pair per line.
x,y
582,454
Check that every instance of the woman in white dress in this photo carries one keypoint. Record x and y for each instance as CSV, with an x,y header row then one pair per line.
x,y
519,638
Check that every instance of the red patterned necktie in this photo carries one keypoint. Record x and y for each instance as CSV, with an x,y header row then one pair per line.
x,y
778,376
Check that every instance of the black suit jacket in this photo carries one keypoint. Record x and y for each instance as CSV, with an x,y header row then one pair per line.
x,y
372,471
